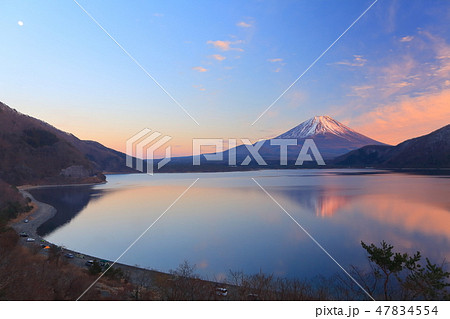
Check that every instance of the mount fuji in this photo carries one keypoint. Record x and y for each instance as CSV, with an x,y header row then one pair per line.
x,y
331,137
322,125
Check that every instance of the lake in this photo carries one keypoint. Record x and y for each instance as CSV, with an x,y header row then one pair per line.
x,y
227,222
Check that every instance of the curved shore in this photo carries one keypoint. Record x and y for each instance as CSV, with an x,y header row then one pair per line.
x,y
39,215
43,212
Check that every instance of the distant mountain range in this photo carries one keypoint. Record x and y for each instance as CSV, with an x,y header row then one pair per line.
x,y
428,151
32,151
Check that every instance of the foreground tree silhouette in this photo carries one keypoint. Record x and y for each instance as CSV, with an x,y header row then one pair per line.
x,y
428,282
414,280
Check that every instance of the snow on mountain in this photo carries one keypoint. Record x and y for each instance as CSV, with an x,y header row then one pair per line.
x,y
331,137
318,125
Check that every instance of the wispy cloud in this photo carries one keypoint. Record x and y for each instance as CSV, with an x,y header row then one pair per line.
x,y
415,72
386,82
159,15
199,87
408,95
401,84
225,45
442,67
278,62
199,69
406,118
218,57
358,60
362,91
407,38
243,24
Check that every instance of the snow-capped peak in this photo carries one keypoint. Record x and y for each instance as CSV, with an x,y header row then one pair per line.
x,y
318,125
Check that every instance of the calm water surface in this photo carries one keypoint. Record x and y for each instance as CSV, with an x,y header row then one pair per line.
x,y
227,222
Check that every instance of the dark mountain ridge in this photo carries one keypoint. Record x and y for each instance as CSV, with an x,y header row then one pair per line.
x,y
34,152
428,151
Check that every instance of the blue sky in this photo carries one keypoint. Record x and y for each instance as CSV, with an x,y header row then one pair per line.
x,y
226,62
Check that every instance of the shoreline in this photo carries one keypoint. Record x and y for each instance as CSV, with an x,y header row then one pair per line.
x,y
27,187
42,212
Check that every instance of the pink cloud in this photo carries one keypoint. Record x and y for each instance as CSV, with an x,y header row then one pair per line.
x,y
406,97
407,38
275,60
225,45
410,117
218,57
199,69
243,24
358,60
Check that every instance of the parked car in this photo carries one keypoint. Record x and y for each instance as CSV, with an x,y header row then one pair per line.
x,y
23,234
31,240
220,291
26,221
68,255
89,263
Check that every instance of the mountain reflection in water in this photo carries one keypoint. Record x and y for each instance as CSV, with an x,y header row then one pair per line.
x,y
227,222
68,202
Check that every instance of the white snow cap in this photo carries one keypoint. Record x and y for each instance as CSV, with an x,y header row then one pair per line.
x,y
318,125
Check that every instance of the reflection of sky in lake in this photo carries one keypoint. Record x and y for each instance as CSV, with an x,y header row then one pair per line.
x,y
226,222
